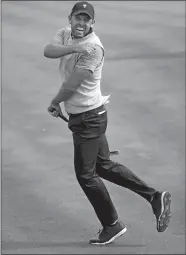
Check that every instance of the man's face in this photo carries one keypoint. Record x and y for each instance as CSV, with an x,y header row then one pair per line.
x,y
80,24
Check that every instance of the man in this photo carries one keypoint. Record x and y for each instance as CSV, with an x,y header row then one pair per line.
x,y
81,56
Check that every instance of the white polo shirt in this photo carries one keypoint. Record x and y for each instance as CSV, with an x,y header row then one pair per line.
x,y
88,95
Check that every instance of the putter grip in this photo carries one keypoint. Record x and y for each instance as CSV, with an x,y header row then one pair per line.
x,y
114,152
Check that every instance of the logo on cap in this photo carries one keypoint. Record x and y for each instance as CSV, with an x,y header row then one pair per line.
x,y
84,5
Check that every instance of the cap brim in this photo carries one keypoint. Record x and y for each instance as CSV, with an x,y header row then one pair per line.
x,y
83,11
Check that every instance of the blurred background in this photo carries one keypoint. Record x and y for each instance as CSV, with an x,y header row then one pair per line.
x,y
44,211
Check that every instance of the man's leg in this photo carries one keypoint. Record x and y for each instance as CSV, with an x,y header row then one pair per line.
x,y
121,175
85,156
87,129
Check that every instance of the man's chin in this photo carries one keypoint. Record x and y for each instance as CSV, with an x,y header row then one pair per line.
x,y
78,34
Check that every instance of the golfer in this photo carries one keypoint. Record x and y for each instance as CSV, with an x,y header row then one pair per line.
x,y
81,55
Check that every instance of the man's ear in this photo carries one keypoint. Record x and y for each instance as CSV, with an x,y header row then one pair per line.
x,y
69,18
93,21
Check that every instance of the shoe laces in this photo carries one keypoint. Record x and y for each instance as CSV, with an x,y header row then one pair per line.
x,y
101,230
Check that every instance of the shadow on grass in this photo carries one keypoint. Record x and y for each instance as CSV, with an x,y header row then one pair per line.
x,y
81,244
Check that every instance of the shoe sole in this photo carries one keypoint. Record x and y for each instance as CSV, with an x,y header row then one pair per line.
x,y
164,218
113,238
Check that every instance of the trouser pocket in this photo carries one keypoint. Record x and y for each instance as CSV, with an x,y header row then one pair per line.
x,y
75,123
90,124
96,118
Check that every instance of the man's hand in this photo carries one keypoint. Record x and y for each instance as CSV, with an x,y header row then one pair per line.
x,y
84,48
55,110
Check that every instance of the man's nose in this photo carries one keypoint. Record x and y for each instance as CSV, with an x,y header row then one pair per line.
x,y
81,22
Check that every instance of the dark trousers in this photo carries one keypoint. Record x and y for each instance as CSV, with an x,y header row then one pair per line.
x,y
92,161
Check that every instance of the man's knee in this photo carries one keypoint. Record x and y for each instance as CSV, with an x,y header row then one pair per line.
x,y
84,178
105,164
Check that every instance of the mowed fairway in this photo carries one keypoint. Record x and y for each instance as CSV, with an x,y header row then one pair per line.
x,y
44,211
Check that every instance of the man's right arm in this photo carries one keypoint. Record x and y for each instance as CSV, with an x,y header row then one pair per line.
x,y
57,49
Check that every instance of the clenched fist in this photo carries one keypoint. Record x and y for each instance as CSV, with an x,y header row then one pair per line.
x,y
84,48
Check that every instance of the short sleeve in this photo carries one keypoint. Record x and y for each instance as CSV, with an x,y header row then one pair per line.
x,y
59,37
91,60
